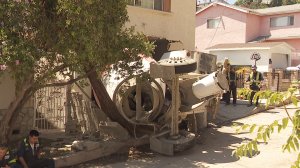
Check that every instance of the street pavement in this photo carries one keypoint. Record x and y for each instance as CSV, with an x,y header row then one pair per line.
x,y
216,143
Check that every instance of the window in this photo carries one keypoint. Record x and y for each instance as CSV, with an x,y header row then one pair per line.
x,y
162,5
282,21
213,23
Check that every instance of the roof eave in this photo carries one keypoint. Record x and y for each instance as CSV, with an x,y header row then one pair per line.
x,y
283,38
225,5
279,13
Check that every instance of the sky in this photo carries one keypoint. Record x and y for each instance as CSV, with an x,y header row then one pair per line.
x,y
231,1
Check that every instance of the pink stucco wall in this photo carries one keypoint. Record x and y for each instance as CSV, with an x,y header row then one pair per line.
x,y
252,27
232,29
280,31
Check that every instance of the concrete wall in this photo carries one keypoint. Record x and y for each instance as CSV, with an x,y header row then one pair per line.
x,y
7,90
179,24
232,29
242,57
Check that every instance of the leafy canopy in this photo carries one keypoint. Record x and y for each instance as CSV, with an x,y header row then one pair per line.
x,y
48,36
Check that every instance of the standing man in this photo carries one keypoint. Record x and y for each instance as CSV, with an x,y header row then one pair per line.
x,y
7,159
255,78
232,79
29,153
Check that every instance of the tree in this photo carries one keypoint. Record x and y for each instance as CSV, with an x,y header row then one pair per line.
x,y
264,132
258,4
49,36
252,4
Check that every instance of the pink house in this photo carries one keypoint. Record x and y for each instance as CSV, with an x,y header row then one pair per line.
x,y
221,23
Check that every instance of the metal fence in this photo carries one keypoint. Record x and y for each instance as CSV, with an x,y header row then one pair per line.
x,y
287,74
241,80
50,108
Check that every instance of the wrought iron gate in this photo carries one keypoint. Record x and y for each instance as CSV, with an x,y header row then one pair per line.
x,y
50,108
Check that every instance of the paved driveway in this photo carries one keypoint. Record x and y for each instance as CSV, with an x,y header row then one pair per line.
x,y
215,145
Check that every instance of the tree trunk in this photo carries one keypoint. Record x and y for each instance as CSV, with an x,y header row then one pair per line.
x,y
7,121
105,102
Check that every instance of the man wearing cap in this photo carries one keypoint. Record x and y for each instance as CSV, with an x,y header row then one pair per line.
x,y
29,153
232,80
255,78
7,159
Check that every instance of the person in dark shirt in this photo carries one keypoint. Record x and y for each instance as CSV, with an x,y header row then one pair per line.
x,y
232,80
255,78
29,153
7,158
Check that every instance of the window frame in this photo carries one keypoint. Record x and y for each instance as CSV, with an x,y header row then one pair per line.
x,y
165,5
211,19
290,22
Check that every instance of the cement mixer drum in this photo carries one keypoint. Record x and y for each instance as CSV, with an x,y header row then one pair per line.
x,y
214,83
151,95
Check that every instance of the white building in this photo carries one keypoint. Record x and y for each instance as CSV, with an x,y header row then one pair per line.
x,y
275,54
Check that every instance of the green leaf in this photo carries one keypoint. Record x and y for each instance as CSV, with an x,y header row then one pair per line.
x,y
279,128
288,148
272,99
265,137
260,128
250,149
285,122
259,136
296,142
254,143
245,126
252,128
268,133
294,101
291,143
272,129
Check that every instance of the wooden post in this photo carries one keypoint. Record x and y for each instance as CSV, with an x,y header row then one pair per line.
x,y
175,107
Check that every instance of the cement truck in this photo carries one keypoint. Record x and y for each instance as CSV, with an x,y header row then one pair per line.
x,y
166,93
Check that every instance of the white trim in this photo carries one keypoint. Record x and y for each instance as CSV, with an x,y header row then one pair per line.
x,y
228,6
244,48
251,48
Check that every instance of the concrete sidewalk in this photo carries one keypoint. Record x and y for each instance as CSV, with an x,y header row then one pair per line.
x,y
216,144
230,112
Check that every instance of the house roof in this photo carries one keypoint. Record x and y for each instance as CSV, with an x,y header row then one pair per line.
x,y
238,8
265,11
279,9
247,46
290,35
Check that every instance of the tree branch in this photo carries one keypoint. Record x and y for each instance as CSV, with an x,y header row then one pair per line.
x,y
63,83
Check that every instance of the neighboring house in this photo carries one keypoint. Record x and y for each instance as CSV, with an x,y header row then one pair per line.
x,y
221,23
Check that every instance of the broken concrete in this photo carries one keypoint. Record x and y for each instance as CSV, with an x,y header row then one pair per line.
x,y
105,149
